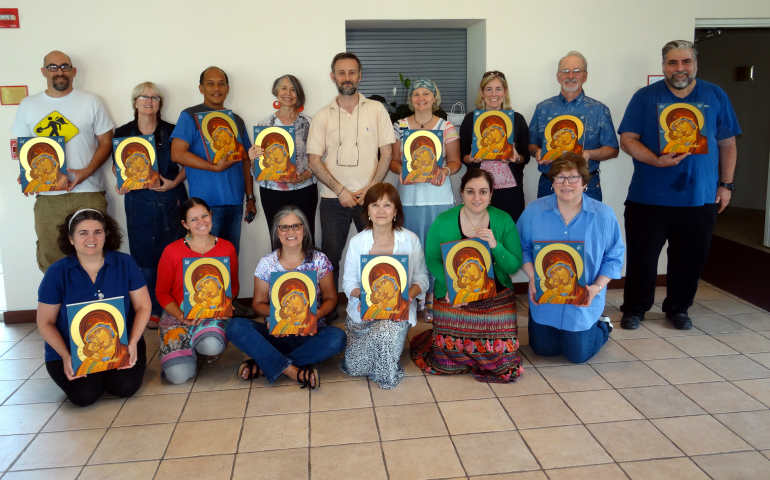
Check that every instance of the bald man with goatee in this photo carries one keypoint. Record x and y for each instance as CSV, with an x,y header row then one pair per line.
x,y
64,111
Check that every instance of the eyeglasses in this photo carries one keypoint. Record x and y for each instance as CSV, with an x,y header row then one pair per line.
x,y
145,98
494,72
65,67
571,179
296,227
577,71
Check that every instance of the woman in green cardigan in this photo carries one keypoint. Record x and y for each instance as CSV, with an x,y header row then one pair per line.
x,y
478,336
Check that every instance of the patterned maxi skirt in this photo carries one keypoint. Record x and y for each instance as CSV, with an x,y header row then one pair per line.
x,y
374,350
479,337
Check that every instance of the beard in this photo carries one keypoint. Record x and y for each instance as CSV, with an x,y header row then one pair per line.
x,y
680,84
570,86
347,88
60,87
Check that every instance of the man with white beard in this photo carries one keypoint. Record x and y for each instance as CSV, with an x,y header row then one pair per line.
x,y
600,144
674,196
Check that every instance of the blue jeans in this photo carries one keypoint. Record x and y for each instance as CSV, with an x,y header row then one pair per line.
x,y
577,347
335,227
275,354
594,187
226,223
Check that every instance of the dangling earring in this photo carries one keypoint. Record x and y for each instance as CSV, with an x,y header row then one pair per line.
x,y
369,218
276,104
300,109
394,219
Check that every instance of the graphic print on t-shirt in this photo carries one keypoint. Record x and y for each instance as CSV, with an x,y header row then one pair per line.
x,y
56,125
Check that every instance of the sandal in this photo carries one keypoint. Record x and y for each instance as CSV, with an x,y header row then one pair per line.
x,y
153,323
308,370
250,364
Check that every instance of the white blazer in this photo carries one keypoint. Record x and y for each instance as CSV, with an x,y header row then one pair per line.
x,y
406,243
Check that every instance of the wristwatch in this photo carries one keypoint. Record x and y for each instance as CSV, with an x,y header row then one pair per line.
x,y
729,186
251,197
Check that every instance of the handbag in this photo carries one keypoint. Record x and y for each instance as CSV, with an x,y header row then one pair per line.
x,y
456,118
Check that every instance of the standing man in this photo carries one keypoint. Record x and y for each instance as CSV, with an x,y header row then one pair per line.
x,y
675,196
349,131
82,120
221,185
600,144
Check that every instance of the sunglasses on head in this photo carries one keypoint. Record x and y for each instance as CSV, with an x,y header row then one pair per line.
x,y
494,72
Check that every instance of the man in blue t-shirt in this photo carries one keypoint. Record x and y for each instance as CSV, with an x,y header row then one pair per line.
x,y
221,185
600,142
681,135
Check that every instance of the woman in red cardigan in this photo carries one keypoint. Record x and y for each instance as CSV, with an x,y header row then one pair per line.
x,y
203,331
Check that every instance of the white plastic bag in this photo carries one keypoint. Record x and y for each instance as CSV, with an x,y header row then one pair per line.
x,y
456,118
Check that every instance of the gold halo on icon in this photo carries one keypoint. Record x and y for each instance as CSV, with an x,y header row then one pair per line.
x,y
205,261
489,113
402,277
263,133
558,246
422,133
575,119
476,245
23,153
207,118
75,327
698,114
303,278
128,141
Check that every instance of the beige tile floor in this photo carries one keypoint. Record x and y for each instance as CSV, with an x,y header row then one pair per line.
x,y
655,403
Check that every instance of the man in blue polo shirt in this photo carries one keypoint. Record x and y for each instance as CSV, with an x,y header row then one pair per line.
x,y
600,143
678,188
221,185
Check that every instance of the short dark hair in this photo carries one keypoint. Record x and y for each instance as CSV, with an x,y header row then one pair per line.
x,y
112,233
227,80
568,161
476,173
297,88
343,56
376,192
188,204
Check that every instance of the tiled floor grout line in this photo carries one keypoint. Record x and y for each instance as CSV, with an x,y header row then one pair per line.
x,y
176,424
243,426
446,425
518,430
377,426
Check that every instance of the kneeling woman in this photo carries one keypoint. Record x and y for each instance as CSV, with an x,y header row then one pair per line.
x,y
473,335
293,353
375,343
564,316
92,270
181,338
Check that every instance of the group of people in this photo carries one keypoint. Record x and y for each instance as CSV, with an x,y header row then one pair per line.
x,y
349,146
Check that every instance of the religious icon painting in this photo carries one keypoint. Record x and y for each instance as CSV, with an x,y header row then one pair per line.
x,y
384,287
469,272
563,133
492,135
278,163
42,165
135,162
682,128
98,337
220,136
421,160
293,303
207,292
559,273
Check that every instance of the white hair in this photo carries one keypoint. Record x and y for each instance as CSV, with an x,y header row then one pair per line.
x,y
573,53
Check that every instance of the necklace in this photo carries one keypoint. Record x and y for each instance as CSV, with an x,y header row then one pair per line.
x,y
474,227
422,125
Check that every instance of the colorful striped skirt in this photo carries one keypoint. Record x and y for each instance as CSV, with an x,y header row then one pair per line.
x,y
479,338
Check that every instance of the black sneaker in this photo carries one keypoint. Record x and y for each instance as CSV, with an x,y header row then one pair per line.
x,y
630,322
681,321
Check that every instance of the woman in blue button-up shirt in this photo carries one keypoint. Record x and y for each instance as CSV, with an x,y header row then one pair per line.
x,y
567,281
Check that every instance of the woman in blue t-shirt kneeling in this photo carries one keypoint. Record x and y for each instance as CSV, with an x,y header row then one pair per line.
x,y
93,270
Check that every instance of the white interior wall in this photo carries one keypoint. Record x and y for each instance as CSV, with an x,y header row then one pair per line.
x,y
118,45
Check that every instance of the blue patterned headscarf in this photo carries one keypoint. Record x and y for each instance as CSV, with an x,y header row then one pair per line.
x,y
422,82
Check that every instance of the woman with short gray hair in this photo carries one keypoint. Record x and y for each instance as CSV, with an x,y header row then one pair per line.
x,y
290,355
300,190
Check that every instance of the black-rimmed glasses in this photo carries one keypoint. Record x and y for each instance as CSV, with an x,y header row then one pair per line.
x,y
572,179
494,72
65,67
145,98
296,227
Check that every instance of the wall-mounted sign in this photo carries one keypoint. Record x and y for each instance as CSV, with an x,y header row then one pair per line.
x,y
13,95
14,149
9,18
654,78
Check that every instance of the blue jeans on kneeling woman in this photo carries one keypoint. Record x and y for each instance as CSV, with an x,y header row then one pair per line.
x,y
274,354
577,347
